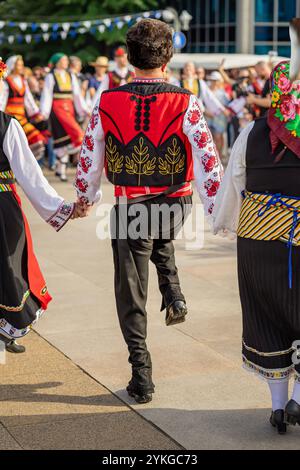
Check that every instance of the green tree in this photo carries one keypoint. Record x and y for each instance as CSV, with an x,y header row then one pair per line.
x,y
87,46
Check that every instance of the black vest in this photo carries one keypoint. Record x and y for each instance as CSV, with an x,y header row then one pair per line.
x,y
263,174
4,123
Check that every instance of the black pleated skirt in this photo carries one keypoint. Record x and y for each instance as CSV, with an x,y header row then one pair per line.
x,y
271,310
18,307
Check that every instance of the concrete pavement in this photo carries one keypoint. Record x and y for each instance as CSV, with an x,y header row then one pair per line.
x,y
47,402
203,399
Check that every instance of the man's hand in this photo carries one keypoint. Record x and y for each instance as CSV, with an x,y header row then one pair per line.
x,y
81,210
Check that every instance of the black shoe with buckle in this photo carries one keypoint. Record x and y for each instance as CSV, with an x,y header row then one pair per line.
x,y
277,421
292,413
14,347
176,312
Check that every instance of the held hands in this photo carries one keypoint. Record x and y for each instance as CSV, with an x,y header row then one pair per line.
x,y
81,209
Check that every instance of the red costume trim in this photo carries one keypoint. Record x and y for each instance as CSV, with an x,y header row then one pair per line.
x,y
37,284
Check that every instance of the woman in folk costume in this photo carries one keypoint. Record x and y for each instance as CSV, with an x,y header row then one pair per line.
x,y
61,99
23,292
259,199
16,100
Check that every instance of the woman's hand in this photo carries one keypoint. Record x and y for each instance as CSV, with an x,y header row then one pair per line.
x,y
81,210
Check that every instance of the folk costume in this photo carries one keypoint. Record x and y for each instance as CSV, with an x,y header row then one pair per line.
x,y
61,99
152,140
23,292
114,78
16,100
259,200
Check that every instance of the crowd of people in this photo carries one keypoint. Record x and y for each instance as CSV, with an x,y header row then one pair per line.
x,y
53,102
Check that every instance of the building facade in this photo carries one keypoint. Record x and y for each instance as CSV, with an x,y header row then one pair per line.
x,y
244,26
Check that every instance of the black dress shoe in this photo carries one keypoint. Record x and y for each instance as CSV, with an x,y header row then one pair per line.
x,y
277,421
140,395
176,312
292,413
14,347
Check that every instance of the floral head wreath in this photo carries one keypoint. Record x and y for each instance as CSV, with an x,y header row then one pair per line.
x,y
3,69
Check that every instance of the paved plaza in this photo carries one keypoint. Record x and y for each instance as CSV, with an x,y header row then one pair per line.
x,y
67,391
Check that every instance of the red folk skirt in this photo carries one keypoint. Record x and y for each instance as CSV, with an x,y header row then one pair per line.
x,y
23,292
65,129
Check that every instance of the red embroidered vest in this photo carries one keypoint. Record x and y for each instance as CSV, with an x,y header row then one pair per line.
x,y
144,141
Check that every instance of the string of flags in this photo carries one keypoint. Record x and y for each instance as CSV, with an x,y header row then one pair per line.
x,y
52,31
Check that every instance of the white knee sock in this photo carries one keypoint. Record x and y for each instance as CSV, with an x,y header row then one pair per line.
x,y
296,392
280,394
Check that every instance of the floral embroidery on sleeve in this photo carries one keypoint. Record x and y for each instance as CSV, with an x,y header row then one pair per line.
x,y
207,165
91,161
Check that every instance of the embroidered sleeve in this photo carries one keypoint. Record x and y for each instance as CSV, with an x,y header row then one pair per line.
x,y
30,105
50,206
207,166
91,161
229,199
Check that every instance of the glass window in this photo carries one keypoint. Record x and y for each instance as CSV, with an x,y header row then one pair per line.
x,y
283,33
213,7
193,34
232,49
286,10
212,37
284,51
264,10
202,34
261,49
232,11
222,34
231,30
222,8
263,33
203,5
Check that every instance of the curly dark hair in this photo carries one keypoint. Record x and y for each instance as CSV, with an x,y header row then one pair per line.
x,y
149,44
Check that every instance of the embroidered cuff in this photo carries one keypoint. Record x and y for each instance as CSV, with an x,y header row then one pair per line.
x,y
61,216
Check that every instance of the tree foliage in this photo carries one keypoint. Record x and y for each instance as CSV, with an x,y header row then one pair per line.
x,y
87,46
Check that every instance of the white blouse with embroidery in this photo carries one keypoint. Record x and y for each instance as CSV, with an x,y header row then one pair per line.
x,y
30,105
47,95
229,199
207,165
50,206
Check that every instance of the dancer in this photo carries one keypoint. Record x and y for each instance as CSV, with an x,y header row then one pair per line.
x,y
16,100
152,139
23,292
259,200
61,97
119,76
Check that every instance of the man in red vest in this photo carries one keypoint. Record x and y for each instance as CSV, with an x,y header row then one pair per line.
x,y
120,75
152,139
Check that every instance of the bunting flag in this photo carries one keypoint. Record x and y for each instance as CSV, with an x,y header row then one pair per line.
x,y
35,31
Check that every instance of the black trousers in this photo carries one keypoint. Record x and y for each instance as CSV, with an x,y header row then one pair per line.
x,y
131,262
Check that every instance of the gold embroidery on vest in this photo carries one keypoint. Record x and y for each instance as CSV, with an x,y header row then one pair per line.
x,y
174,161
114,160
138,164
